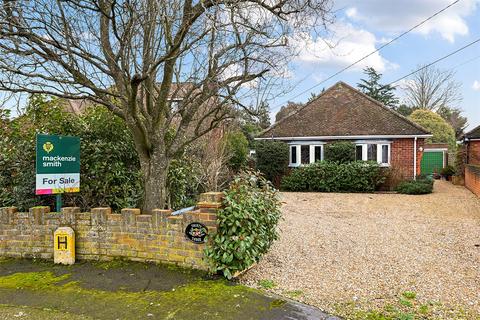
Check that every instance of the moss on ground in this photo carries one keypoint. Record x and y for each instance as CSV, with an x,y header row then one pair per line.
x,y
31,280
217,299
407,307
20,312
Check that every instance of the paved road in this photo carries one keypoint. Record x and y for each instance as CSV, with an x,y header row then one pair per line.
x,y
120,290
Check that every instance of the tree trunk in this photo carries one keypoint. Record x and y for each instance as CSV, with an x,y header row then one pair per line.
x,y
155,170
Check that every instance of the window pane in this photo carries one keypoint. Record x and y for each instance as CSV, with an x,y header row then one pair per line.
x,y
305,154
372,152
385,154
293,152
318,153
358,153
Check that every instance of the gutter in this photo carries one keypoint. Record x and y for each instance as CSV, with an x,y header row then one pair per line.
x,y
347,137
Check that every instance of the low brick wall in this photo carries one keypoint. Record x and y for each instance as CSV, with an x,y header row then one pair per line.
x,y
472,178
103,235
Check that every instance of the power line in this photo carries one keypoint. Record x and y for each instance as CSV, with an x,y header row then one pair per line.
x,y
373,52
436,61
465,62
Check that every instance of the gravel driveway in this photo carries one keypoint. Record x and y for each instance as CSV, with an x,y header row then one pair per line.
x,y
350,252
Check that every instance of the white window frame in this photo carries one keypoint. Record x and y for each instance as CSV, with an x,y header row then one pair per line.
x,y
380,155
298,147
312,152
298,160
380,145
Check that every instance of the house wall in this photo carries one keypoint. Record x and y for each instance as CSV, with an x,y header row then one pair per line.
x,y
472,179
103,235
473,152
402,156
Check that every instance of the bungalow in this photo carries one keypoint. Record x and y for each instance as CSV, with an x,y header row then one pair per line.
x,y
344,113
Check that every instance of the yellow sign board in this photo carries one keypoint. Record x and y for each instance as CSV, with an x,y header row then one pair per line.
x,y
64,246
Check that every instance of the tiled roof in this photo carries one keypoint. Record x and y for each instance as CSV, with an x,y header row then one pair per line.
x,y
473,134
343,111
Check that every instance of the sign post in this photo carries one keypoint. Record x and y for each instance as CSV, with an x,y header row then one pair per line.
x,y
57,166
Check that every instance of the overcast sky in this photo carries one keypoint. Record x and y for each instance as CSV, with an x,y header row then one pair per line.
x,y
362,26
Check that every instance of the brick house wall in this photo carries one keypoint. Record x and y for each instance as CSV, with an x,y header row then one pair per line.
x,y
473,152
402,156
472,179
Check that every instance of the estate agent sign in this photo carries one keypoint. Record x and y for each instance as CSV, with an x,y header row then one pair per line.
x,y
58,164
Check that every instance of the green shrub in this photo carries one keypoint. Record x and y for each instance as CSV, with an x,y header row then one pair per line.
x,y
329,176
341,152
246,225
183,182
419,186
448,171
272,158
110,169
236,149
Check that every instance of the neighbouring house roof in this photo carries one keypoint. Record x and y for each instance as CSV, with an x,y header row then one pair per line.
x,y
78,106
341,111
473,134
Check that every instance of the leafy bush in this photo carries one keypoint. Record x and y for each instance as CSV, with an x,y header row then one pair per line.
x,y
272,158
236,150
448,171
341,152
183,180
420,186
441,130
110,169
246,225
329,176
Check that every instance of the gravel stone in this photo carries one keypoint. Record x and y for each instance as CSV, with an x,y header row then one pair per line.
x,y
369,248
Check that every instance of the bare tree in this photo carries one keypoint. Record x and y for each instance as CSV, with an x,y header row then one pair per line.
x,y
128,55
432,88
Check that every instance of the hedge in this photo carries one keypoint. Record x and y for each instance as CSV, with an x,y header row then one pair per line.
x,y
329,176
341,151
423,185
272,158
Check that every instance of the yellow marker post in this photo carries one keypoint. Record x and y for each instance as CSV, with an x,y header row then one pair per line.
x,y
64,246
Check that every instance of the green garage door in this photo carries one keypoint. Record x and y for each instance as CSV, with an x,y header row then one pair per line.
x,y
432,161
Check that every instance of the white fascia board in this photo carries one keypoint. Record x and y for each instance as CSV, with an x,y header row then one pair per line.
x,y
347,137
307,142
434,149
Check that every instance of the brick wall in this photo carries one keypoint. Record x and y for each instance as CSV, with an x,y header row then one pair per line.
x,y
472,178
402,156
103,235
474,152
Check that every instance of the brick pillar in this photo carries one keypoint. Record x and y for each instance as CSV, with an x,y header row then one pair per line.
x,y
68,216
37,214
6,214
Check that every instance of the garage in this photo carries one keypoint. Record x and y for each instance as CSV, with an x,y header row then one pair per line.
x,y
434,158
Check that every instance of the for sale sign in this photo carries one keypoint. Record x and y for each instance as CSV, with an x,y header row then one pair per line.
x,y
58,164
